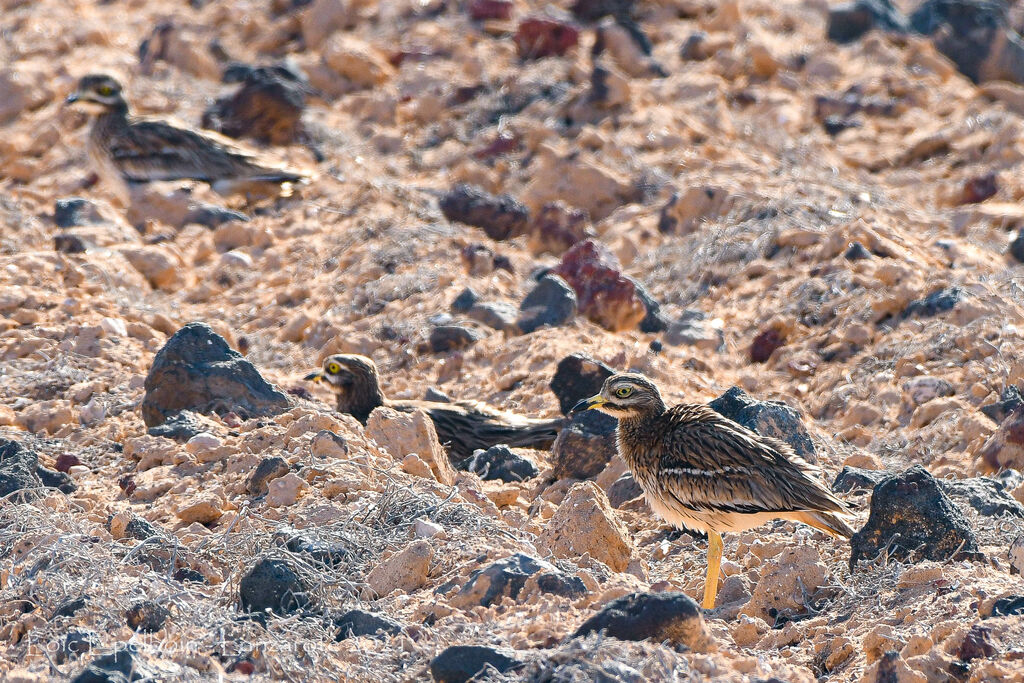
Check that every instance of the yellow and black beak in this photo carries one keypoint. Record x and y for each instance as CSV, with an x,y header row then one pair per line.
x,y
589,403
315,376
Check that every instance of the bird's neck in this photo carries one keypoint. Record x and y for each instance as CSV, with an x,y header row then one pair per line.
x,y
361,398
111,119
636,427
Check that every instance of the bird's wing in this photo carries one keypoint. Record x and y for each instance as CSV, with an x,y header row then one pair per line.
x,y
149,149
718,464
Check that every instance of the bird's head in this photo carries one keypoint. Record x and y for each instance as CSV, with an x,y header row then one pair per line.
x,y
625,395
98,94
342,371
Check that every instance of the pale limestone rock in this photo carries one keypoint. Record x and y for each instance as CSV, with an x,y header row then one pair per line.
x,y
285,490
586,523
204,510
151,451
405,571
357,61
402,433
796,573
47,416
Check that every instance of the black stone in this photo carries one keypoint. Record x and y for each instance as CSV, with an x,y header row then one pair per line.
x,y
1017,246
578,376
183,574
1010,606
317,550
75,211
965,30
551,303
464,301
849,22
1009,401
977,644
655,320
500,463
69,244
501,216
767,418
70,607
453,338
988,495
668,616
20,469
507,577
272,585
180,427
358,622
623,490
211,216
266,107
75,644
585,446
854,479
834,125
939,301
460,663
117,667
197,370
856,252
266,471
912,519
147,616
498,315
139,528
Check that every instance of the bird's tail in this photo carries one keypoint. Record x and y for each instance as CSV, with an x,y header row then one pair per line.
x,y
826,521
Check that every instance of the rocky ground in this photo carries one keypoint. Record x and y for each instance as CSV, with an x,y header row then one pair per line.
x,y
713,194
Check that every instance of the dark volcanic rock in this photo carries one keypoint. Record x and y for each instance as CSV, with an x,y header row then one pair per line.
x,y
857,252
1010,606
436,395
912,519
857,479
584,446
452,338
988,495
1017,246
767,418
979,188
499,462
655,320
540,36
551,303
623,490
117,667
969,32
70,244
668,616
1009,401
464,301
197,370
180,427
578,376
211,216
937,302
265,472
75,644
71,607
507,577
495,314
267,107
305,543
74,212
850,21
765,344
605,295
272,585
460,663
501,217
20,469
147,616
977,644
359,622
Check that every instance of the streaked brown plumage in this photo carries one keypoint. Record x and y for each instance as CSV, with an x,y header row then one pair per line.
x,y
462,426
700,470
127,149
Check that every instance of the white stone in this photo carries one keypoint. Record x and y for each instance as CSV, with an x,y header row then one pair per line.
x,y
424,528
114,327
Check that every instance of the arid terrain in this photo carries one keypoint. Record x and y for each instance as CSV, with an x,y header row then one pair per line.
x,y
725,197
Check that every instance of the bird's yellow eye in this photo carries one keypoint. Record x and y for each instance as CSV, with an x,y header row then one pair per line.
x,y
105,90
334,368
623,392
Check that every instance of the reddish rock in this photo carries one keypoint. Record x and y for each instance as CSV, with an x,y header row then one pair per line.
x,y
979,188
539,37
482,10
501,216
557,227
605,295
65,461
764,345
504,143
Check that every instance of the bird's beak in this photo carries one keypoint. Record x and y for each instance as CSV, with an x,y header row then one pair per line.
x,y
314,376
588,403
72,98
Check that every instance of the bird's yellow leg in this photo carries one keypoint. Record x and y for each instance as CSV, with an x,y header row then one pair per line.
x,y
714,563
